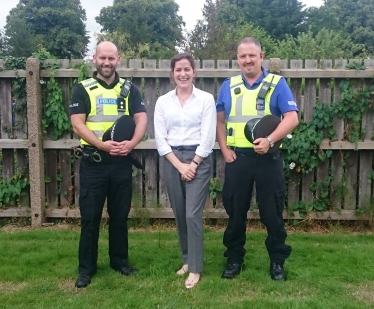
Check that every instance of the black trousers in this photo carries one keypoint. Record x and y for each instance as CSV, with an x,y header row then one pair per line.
x,y
266,171
110,179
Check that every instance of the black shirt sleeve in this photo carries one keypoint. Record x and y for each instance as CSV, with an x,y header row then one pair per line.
x,y
136,104
80,101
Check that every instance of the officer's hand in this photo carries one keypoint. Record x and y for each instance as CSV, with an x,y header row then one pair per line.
x,y
261,145
124,148
229,155
109,146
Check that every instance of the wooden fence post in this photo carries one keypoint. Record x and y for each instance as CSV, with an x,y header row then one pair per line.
x,y
35,142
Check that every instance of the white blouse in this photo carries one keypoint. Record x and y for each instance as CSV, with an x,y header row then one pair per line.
x,y
192,124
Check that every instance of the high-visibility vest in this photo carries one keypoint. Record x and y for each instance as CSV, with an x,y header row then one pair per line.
x,y
243,108
104,108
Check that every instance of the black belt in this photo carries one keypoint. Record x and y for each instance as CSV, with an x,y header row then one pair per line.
x,y
185,148
243,150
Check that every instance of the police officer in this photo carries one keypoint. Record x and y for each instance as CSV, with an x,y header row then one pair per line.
x,y
253,94
105,169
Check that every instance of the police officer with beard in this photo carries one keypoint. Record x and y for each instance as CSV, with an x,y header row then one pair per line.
x,y
105,169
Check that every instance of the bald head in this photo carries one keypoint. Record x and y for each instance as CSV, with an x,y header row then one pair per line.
x,y
106,59
107,47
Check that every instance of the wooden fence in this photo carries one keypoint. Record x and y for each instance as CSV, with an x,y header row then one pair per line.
x,y
54,161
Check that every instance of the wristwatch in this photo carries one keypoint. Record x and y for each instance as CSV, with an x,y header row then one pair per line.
x,y
270,141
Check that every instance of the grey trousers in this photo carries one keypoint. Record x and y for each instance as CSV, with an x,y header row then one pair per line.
x,y
187,201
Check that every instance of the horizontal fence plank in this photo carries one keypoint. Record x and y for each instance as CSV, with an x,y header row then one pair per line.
x,y
218,73
151,144
167,213
14,143
344,145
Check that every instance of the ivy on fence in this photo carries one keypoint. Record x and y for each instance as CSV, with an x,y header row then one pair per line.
x,y
302,152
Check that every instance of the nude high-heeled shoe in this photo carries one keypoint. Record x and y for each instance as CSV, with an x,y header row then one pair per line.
x,y
183,270
192,280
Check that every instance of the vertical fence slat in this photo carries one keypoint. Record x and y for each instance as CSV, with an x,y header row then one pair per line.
x,y
21,154
209,87
322,171
293,183
352,163
137,200
351,169
309,103
64,155
366,157
165,86
51,174
6,126
150,178
337,155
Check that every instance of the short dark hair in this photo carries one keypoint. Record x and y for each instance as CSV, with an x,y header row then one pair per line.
x,y
250,40
182,56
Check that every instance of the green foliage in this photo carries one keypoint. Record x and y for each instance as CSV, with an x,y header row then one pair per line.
x,y
351,107
355,66
18,95
352,17
56,121
214,187
14,63
277,17
302,151
57,25
126,48
20,39
12,189
143,22
325,44
216,38
83,71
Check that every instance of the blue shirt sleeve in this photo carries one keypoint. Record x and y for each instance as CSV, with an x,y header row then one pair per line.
x,y
282,100
224,98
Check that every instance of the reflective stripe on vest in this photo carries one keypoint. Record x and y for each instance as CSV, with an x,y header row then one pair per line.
x,y
104,108
243,108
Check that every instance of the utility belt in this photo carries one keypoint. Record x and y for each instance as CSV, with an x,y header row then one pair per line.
x,y
250,152
95,155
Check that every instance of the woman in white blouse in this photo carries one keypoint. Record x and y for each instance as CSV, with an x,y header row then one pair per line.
x,y
185,130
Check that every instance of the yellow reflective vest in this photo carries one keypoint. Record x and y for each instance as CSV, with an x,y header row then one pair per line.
x,y
104,109
243,108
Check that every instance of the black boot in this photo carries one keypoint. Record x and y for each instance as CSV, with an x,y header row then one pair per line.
x,y
277,272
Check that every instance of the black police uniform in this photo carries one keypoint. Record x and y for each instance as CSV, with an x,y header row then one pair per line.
x,y
110,179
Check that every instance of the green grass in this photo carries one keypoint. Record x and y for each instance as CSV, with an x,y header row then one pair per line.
x,y
38,269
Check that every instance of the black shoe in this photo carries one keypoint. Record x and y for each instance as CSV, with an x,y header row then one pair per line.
x,y
127,270
82,281
277,272
231,271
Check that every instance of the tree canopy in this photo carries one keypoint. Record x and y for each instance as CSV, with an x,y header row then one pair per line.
x,y
353,17
153,22
56,25
277,17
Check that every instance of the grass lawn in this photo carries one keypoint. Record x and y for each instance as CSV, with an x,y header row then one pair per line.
x,y
38,268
